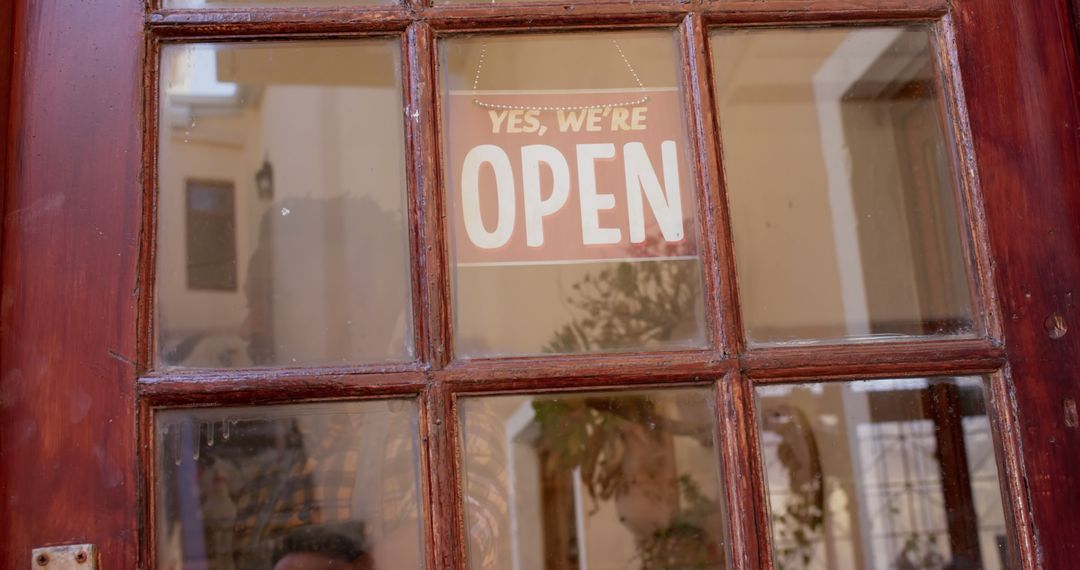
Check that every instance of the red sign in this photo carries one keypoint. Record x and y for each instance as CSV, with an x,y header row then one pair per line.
x,y
567,177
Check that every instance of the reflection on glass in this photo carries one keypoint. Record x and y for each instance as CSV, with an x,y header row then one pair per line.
x,y
841,185
281,234
598,480
437,2
329,485
882,474
570,194
268,3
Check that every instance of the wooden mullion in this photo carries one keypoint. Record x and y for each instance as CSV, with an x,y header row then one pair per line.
x,y
444,538
745,495
718,262
745,498
146,478
430,256
446,545
1001,409
244,388
509,385
425,480
339,22
968,198
146,334
775,12
414,175
528,16
926,357
270,373
598,369
212,23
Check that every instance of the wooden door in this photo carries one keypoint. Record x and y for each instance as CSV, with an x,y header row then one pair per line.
x,y
87,387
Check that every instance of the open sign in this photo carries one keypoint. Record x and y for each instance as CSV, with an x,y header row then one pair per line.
x,y
570,176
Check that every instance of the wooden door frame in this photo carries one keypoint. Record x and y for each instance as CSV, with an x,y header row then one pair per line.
x,y
71,231
78,102
1035,239
7,141
7,62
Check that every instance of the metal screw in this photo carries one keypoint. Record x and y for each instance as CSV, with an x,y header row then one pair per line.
x,y
80,557
42,559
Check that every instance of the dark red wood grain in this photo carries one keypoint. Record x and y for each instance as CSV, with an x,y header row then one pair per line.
x,y
70,247
1019,68
147,277
873,360
7,20
431,261
447,546
595,368
1015,498
274,22
745,498
969,202
275,387
721,298
1075,7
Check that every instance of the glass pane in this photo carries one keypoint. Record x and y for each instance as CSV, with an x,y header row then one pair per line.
x,y
282,238
617,480
268,3
570,192
882,474
841,185
330,485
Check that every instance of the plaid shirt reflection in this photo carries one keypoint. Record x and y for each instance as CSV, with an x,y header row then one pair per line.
x,y
318,485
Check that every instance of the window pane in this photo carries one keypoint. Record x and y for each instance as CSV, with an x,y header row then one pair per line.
x,y
301,486
570,194
841,185
882,474
268,3
600,480
281,230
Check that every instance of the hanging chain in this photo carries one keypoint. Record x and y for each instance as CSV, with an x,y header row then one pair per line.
x,y
622,54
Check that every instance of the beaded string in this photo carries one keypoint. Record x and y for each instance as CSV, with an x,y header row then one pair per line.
x,y
626,61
